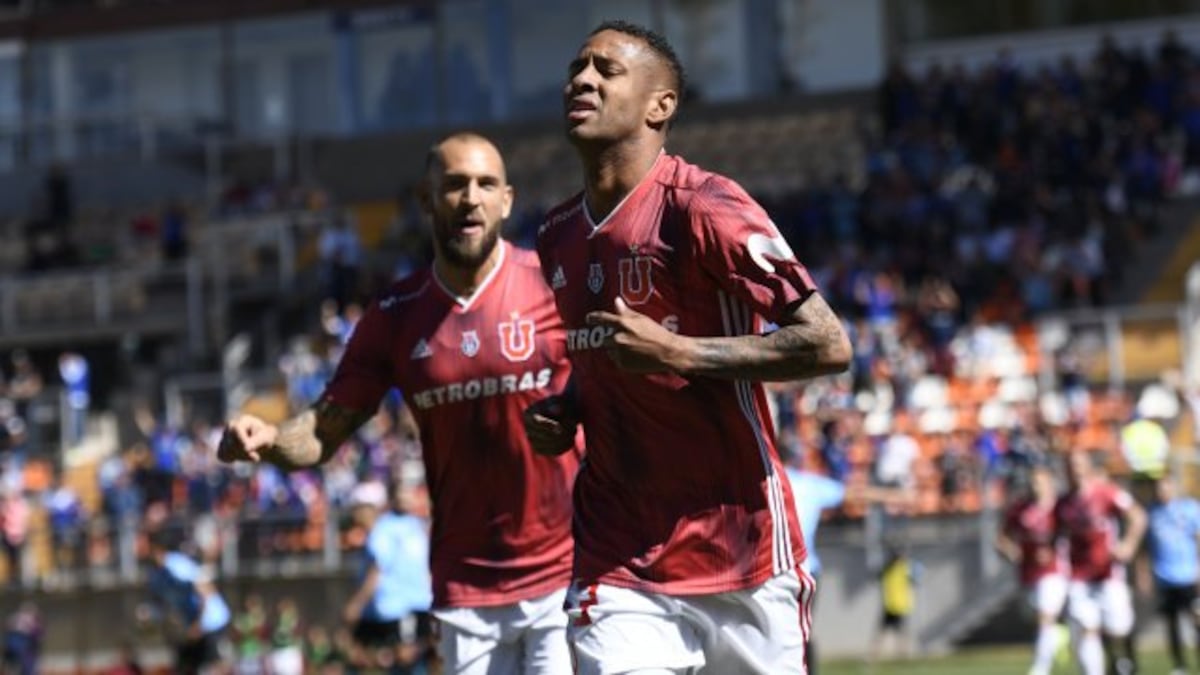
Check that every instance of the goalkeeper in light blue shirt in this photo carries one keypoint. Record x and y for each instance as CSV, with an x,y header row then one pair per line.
x,y
1175,558
185,596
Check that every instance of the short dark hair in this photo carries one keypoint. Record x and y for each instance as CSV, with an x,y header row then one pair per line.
x,y
657,42
164,540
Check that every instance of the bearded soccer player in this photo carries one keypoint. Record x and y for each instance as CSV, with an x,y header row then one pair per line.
x,y
1102,525
688,549
1029,539
471,341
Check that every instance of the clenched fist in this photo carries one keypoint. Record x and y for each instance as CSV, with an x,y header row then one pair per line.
x,y
246,439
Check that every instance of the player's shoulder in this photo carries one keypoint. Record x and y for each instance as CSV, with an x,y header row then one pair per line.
x,y
523,258
558,216
404,292
689,179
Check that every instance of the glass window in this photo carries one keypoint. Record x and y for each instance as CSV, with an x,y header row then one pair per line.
x,y
398,75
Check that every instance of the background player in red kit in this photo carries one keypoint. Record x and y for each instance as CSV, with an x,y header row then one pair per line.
x,y
471,342
687,545
1103,526
1029,538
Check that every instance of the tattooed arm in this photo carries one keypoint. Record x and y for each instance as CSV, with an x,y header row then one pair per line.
x,y
811,342
307,440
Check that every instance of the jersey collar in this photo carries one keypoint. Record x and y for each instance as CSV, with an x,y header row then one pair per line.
x,y
616,209
465,303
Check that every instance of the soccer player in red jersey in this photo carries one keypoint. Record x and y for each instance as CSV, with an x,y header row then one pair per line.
x,y
1029,538
471,342
1087,516
687,549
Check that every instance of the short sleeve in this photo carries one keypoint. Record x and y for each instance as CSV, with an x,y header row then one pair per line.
x,y
364,374
380,549
744,252
832,492
1122,501
1194,516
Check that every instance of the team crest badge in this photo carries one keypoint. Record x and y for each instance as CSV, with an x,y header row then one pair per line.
x,y
470,343
595,277
636,283
516,338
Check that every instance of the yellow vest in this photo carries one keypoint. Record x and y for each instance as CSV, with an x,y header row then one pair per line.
x,y
896,583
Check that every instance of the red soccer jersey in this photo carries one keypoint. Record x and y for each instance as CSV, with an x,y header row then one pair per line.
x,y
1032,527
683,490
1087,518
468,368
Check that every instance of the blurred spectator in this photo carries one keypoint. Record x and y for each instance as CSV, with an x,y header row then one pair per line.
x,y
897,454
25,385
162,462
73,369
14,531
341,255
390,607
897,584
23,640
194,611
173,231
67,524
835,447
250,634
287,638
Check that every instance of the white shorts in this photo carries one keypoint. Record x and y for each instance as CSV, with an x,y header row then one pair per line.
x,y
1106,605
524,637
286,661
761,630
1048,596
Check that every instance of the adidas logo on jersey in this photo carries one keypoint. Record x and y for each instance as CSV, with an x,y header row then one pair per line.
x,y
422,350
559,279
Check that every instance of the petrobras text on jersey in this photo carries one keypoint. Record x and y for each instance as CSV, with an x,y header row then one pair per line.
x,y
483,387
591,337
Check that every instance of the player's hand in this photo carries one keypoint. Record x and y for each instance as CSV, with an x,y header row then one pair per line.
x,y
638,343
1045,556
1123,553
246,439
550,426
351,613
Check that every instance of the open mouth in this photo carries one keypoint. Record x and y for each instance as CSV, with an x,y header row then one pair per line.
x,y
580,109
469,228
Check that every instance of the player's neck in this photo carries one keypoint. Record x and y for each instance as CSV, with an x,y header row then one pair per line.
x,y
611,173
464,281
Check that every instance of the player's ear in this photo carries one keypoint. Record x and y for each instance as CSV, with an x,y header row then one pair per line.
x,y
506,206
663,104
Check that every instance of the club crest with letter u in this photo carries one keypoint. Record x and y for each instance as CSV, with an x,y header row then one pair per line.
x,y
516,338
595,278
636,283
470,343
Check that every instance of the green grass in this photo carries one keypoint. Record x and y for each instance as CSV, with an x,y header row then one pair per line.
x,y
1006,661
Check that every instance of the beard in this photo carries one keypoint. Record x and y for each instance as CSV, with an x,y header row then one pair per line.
x,y
465,253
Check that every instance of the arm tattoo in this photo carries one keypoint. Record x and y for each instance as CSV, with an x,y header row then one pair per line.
x,y
815,344
314,436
